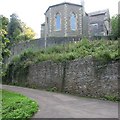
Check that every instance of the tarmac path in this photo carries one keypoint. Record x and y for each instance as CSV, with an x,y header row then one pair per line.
x,y
58,105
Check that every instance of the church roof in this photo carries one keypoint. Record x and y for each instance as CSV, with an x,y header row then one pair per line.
x,y
101,12
63,4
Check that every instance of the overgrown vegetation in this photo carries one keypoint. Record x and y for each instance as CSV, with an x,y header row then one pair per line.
x,y
112,98
15,105
115,24
11,32
101,50
4,42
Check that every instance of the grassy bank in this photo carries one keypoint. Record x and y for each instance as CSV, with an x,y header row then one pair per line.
x,y
15,105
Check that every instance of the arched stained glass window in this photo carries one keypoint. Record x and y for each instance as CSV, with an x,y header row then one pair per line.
x,y
58,22
73,21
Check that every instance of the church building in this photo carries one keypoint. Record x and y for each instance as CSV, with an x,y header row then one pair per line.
x,y
70,20
99,23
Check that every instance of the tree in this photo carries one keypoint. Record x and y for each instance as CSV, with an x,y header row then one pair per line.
x,y
115,23
14,28
18,30
3,33
4,41
4,22
27,33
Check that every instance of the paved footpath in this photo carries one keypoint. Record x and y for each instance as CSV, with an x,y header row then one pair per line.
x,y
56,105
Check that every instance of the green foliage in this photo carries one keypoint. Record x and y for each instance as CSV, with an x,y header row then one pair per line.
x,y
4,42
15,30
119,26
19,66
12,31
3,33
15,105
14,27
115,22
27,33
53,89
7,30
1,59
102,49
4,22
112,98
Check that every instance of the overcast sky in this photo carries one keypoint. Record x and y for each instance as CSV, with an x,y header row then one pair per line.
x,y
32,11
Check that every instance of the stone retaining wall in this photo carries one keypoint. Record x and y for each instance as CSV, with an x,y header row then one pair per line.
x,y
85,77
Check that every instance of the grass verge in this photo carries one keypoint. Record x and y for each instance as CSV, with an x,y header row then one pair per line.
x,y
15,105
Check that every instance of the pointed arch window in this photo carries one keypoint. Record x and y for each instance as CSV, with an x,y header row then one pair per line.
x,y
73,21
58,22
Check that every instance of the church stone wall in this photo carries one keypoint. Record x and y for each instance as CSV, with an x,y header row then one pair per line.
x,y
102,21
79,20
51,14
84,77
65,11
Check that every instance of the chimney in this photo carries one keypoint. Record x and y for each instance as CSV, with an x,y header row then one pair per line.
x,y
83,4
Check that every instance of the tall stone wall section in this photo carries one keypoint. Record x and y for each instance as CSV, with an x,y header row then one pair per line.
x,y
85,77
18,48
31,44
46,75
